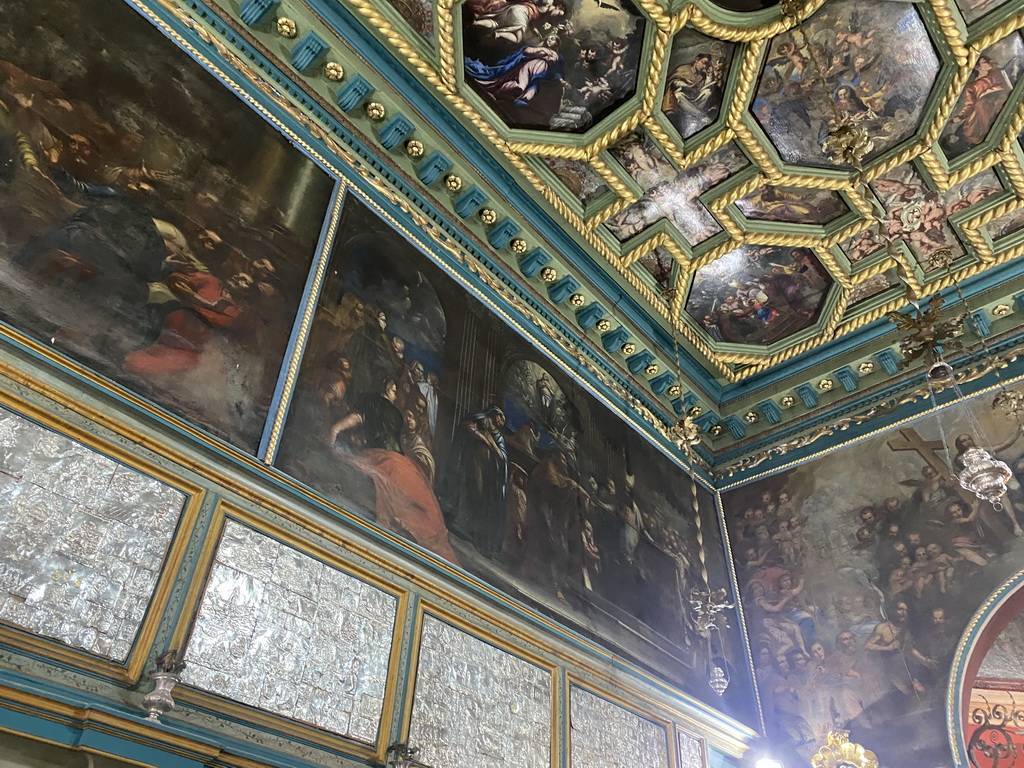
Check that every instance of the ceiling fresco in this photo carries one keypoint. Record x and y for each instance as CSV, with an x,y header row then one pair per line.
x,y
667,137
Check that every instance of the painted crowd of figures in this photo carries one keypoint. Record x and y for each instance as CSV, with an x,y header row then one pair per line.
x,y
124,243
864,637
535,487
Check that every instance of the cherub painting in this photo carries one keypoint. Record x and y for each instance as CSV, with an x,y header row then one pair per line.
x,y
918,216
697,70
557,65
877,63
759,294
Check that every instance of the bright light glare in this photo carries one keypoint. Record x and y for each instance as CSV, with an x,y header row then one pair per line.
x,y
767,762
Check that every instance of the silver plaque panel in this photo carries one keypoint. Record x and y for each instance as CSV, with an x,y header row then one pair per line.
x,y
605,735
82,539
477,705
280,630
691,752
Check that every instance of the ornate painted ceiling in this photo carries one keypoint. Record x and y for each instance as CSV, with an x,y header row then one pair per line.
x,y
688,154
661,173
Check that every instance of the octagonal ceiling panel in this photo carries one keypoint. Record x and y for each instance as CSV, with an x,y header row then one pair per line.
x,y
669,193
792,205
759,294
554,65
878,63
698,68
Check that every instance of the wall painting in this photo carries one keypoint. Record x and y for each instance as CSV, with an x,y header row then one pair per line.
x,y
860,570
418,409
151,225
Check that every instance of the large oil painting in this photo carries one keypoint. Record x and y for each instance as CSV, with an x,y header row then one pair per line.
x,y
151,226
670,194
418,409
860,570
878,64
918,216
558,65
759,294
993,78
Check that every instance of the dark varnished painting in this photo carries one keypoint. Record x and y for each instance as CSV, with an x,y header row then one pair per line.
x,y
671,194
151,226
579,177
878,63
418,409
859,572
556,65
759,294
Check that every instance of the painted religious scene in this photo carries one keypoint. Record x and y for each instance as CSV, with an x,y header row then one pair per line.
x,y
993,78
759,294
698,68
417,409
558,65
918,216
151,226
859,572
878,63
668,193
793,205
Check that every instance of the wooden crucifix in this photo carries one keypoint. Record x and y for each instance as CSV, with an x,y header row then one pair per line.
x,y
928,450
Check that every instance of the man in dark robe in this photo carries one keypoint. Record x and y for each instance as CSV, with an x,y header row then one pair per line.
x,y
475,486
378,417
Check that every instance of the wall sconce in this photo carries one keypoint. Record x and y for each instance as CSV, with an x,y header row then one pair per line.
x,y
402,755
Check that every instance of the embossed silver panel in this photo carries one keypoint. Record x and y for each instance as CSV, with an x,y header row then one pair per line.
x,y
477,705
691,751
280,630
82,539
605,735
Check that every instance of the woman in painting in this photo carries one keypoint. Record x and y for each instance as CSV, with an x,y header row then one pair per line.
x,y
517,77
500,20
849,104
404,501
